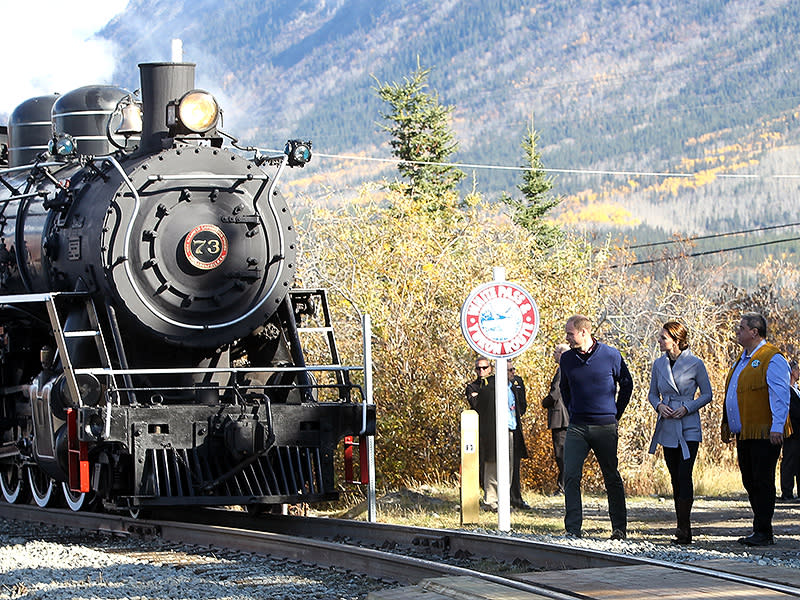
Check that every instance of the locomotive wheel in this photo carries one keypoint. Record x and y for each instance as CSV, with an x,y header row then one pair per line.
x,y
12,485
77,500
42,486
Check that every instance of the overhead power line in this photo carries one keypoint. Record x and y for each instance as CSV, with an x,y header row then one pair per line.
x,y
613,172
694,238
651,261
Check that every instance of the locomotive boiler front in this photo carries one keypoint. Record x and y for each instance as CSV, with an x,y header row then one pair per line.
x,y
193,242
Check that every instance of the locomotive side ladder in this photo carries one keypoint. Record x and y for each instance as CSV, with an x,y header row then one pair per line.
x,y
356,448
342,377
61,336
77,453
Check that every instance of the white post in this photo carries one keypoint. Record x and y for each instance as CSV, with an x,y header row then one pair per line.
x,y
501,432
371,494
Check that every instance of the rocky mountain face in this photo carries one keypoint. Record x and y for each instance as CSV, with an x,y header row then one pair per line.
x,y
622,92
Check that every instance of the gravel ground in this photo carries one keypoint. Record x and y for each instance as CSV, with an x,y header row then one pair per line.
x,y
717,523
45,563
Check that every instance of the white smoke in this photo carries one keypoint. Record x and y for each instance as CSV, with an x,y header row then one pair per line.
x,y
49,46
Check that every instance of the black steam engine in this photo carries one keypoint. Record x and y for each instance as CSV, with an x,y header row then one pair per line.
x,y
150,330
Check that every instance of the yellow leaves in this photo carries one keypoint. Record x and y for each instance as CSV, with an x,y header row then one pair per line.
x,y
602,212
704,178
411,269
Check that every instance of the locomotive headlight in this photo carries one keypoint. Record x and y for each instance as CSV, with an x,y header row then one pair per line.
x,y
298,151
198,111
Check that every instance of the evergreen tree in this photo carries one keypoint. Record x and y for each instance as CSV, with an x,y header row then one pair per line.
x,y
536,185
421,136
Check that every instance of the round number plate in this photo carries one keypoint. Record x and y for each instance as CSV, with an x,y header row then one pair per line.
x,y
206,247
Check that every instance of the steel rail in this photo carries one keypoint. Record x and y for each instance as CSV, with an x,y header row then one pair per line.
x,y
370,562
544,555
309,537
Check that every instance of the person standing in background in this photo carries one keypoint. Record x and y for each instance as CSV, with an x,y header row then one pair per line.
x,y
483,379
517,388
790,461
676,377
557,417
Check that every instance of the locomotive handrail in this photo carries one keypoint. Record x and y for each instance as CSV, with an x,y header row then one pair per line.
x,y
248,177
15,196
28,167
214,370
38,297
129,235
105,372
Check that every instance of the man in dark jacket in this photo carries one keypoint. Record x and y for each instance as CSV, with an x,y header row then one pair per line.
x,y
481,398
557,417
520,450
596,386
790,461
475,389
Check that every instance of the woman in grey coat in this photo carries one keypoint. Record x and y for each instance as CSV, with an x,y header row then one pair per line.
x,y
677,376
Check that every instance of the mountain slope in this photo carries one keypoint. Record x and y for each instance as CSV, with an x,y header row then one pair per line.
x,y
614,85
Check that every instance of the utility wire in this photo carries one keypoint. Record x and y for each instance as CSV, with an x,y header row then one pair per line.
x,y
611,172
551,170
651,261
712,235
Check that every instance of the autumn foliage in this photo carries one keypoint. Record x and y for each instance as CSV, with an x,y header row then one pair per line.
x,y
411,268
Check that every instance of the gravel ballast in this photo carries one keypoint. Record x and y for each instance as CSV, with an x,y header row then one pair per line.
x,y
48,563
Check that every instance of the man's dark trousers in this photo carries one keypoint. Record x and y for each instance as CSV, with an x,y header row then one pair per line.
x,y
559,436
602,440
790,465
757,462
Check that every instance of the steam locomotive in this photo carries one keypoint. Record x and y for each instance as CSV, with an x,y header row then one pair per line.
x,y
150,330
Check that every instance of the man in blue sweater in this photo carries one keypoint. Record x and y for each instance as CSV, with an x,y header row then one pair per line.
x,y
596,387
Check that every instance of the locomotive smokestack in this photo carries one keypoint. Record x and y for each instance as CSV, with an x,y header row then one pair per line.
x,y
161,83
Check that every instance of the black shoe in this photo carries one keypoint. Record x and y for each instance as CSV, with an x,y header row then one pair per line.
x,y
757,539
785,497
682,537
618,534
521,504
572,534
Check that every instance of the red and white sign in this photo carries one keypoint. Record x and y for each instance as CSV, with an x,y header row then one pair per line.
x,y
499,319
205,247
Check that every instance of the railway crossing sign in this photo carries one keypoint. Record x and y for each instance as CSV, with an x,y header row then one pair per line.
x,y
499,319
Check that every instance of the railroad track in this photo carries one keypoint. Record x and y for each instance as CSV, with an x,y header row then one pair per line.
x,y
395,553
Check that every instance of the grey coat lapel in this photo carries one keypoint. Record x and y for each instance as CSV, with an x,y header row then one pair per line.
x,y
665,372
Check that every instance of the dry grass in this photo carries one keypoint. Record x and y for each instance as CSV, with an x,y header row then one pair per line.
x,y
437,504
714,481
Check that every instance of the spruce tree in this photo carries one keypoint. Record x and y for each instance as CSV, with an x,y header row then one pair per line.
x,y
536,186
420,135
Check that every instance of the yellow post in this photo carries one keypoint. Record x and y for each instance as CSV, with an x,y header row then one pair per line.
x,y
470,486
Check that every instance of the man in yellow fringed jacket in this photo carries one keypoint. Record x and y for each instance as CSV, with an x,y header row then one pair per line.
x,y
756,411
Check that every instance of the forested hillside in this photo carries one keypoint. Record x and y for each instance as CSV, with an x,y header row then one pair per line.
x,y
617,88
